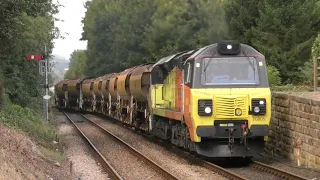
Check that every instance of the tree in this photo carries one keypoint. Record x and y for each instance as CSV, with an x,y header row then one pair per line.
x,y
316,46
123,34
77,65
283,31
25,27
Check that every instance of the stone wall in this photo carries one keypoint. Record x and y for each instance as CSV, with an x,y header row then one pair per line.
x,y
295,128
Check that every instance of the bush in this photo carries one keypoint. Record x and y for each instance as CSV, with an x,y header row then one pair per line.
x,y
27,120
306,72
274,76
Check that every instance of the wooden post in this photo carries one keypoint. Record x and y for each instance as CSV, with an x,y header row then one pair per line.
x,y
315,73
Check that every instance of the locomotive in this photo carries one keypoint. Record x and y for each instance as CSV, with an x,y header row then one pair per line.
x,y
214,101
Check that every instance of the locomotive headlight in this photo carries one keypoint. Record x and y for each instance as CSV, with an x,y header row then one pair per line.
x,y
207,110
205,107
259,106
238,112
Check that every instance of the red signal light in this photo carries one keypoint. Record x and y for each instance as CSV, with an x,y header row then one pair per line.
x,y
36,57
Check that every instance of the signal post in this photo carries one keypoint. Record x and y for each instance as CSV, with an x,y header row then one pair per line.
x,y
44,68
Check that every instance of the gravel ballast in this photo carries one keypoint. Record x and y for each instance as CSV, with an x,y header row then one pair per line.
x,y
125,163
182,168
77,151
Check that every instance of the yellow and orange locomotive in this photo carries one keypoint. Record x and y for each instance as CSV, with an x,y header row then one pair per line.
x,y
215,101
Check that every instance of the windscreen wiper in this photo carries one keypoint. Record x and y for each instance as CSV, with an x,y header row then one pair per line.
x,y
254,70
205,68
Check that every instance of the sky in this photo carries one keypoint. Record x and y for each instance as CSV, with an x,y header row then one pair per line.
x,y
72,13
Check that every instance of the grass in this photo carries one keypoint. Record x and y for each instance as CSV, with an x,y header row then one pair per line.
x,y
53,154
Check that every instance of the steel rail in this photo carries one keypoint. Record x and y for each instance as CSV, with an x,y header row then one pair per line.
x,y
275,171
258,165
215,168
108,167
152,163
222,171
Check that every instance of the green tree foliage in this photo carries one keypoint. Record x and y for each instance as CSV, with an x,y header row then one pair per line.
x,y
241,16
316,46
274,76
306,72
124,33
77,65
25,27
184,25
282,30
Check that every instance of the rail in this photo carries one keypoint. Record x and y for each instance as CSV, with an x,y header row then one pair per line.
x,y
153,164
277,172
108,167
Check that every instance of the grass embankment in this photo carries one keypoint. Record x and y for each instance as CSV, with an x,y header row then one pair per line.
x,y
29,121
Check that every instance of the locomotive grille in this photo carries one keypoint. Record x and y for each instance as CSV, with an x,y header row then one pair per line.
x,y
225,106
202,104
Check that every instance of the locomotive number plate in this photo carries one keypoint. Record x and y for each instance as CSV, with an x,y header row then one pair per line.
x,y
258,119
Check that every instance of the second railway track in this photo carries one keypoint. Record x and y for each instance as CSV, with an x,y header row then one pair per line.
x,y
128,163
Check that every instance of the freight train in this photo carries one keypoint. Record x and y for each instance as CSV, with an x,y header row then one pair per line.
x,y
214,101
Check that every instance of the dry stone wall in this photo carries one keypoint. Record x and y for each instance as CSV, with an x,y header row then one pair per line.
x,y
295,129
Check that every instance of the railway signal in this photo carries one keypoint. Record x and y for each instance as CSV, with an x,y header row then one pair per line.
x,y
45,67
36,57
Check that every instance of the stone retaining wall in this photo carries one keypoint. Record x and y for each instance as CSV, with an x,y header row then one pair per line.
x,y
295,129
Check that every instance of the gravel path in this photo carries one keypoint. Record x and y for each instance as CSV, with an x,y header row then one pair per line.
x,y
182,168
77,151
125,163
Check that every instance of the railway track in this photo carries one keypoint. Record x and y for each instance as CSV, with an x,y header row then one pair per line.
x,y
232,175
211,166
107,165
280,173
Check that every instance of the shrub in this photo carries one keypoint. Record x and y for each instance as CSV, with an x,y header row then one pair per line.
x,y
306,72
27,120
274,76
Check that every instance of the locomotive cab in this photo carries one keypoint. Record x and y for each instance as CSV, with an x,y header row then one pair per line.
x,y
227,99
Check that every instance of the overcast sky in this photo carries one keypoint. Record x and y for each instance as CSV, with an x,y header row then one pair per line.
x,y
72,13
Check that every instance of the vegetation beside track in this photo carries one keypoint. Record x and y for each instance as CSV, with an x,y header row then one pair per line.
x,y
29,121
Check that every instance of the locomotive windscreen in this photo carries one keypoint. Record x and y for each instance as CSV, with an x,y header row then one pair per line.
x,y
230,71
